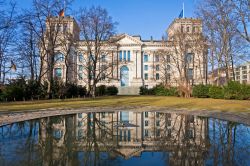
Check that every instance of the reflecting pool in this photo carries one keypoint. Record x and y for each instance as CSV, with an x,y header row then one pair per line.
x,y
125,138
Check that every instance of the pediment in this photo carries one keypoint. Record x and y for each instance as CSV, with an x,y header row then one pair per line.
x,y
128,40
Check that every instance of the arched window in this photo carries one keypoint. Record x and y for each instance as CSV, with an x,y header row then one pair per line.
x,y
59,57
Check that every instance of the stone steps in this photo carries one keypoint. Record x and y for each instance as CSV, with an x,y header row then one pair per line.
x,y
131,90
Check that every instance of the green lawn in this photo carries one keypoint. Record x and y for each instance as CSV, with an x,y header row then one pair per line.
x,y
138,101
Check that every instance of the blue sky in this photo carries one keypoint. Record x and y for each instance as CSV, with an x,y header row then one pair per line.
x,y
138,17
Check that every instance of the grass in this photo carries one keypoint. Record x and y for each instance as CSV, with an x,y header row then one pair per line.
x,y
138,101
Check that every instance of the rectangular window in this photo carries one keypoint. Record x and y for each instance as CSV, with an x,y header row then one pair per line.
x,y
58,72
146,114
80,76
129,136
189,58
103,59
145,58
80,68
158,123
158,132
120,135
168,67
244,67
168,76
146,76
129,56
157,67
157,58
190,74
146,133
120,55
79,123
157,76
124,55
168,58
125,136
146,123
79,115
146,67
80,58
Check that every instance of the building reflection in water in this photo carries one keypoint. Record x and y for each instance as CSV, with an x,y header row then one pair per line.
x,y
108,138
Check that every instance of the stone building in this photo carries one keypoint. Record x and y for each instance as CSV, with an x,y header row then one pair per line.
x,y
132,62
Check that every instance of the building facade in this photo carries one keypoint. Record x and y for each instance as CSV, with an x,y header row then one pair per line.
x,y
131,62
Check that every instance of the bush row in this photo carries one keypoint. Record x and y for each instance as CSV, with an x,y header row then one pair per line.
x,y
20,89
103,90
159,90
233,90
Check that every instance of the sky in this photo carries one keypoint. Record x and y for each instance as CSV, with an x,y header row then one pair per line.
x,y
137,17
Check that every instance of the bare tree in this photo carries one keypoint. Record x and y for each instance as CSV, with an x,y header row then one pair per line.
x,y
242,15
47,25
224,34
27,47
184,60
97,29
7,32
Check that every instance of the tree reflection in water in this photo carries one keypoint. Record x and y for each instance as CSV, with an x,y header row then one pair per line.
x,y
115,138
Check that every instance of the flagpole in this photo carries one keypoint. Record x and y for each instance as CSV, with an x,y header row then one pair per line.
x,y
183,10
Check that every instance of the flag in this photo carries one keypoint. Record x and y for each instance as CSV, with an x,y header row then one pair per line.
x,y
61,13
13,66
181,14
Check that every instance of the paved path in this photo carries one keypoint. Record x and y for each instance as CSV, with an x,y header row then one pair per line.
x,y
8,118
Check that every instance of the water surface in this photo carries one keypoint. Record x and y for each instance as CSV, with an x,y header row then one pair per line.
x,y
125,138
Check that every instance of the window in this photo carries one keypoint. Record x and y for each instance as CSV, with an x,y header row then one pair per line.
x,y
157,114
157,123
157,67
168,76
146,76
125,135
189,58
190,73
244,77
158,132
103,67
146,133
146,67
146,114
120,135
80,68
103,114
79,123
168,67
146,123
124,55
80,58
65,28
79,115
187,29
244,67
103,58
59,57
157,76
244,72
168,58
129,56
145,58
80,76
129,136
58,72
120,55
157,58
